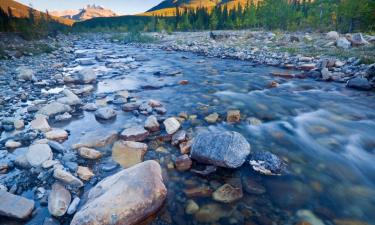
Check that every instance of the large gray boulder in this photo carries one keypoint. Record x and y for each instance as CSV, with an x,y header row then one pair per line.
x,y
54,108
85,76
38,154
14,206
225,149
359,83
24,73
343,43
127,197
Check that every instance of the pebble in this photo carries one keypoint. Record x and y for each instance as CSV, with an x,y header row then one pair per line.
x,y
84,173
89,153
171,125
233,116
183,163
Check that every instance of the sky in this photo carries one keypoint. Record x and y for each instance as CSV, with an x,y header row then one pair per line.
x,y
122,7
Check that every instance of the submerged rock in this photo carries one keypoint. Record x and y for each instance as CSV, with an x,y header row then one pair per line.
x,y
127,197
227,194
128,153
359,83
58,200
38,153
54,108
105,113
14,206
171,125
152,123
137,133
267,163
225,149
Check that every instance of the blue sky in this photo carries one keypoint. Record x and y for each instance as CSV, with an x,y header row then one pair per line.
x,y
118,6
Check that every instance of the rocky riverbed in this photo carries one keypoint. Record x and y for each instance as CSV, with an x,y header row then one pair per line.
x,y
101,132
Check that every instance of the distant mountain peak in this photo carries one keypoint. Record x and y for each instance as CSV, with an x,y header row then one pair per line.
x,y
89,12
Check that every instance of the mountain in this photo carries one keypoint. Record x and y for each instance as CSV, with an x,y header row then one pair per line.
x,y
89,12
22,11
168,7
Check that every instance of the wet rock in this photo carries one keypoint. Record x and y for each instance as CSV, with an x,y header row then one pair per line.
x,y
202,191
19,124
24,73
191,207
333,35
56,146
128,107
326,75
254,121
252,187
171,125
69,99
179,137
85,76
309,217
211,213
137,133
89,153
152,124
233,116
73,206
67,178
54,108
128,153
14,206
212,118
10,144
40,123
343,43
225,149
38,153
127,197
359,83
183,163
207,171
267,163
105,113
90,107
349,222
57,134
84,173
185,147
51,221
63,117
227,194
58,200
96,139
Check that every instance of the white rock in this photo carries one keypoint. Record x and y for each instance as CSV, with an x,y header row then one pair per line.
x,y
38,153
171,125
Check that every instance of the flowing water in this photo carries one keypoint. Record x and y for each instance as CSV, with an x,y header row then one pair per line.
x,y
324,131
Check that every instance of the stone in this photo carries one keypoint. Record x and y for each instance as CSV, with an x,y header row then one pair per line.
x,y
105,113
24,73
326,75
127,197
67,178
185,147
84,76
307,66
211,213
212,118
233,116
128,107
10,144
96,139
137,133
57,134
63,117
333,35
56,146
191,207
14,206
183,163
201,191
128,153
349,222
254,121
359,83
357,40
171,125
51,221
18,124
343,43
227,194
89,153
152,124
40,123
90,107
225,149
267,163
207,171
58,200
70,98
38,153
179,137
54,108
252,187
49,163
84,173
73,206
309,217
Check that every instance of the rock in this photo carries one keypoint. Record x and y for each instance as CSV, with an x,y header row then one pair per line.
x,y
63,117
183,163
73,206
24,73
252,187
105,113
207,171
40,123
370,73
84,76
84,173
183,82
349,222
128,197
309,217
212,118
18,124
67,178
89,153
69,99
343,43
339,63
326,75
137,133
57,134
179,137
49,163
357,40
191,207
128,153
152,124
254,121
90,107
211,213
233,116
171,125
202,191
12,144
307,66
359,83
14,206
58,200
128,107
225,149
54,108
56,146
227,194
51,221
267,163
96,139
38,153
185,147
333,35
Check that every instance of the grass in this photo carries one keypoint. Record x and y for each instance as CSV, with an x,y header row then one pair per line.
x,y
133,37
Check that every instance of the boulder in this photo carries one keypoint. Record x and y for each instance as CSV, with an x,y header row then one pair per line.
x,y
96,139
14,206
40,123
343,43
137,133
333,35
54,108
38,153
357,40
127,197
84,76
58,200
359,83
24,73
233,116
225,149
128,153
171,125
70,98
105,113
152,124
